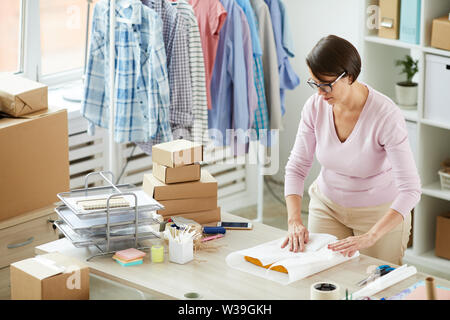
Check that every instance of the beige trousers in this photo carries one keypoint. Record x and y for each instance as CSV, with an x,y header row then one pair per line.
x,y
325,216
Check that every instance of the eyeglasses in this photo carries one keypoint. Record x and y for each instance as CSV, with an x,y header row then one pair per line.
x,y
325,87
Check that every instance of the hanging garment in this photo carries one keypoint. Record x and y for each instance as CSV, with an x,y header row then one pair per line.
x,y
175,34
288,79
269,62
211,16
288,42
197,71
141,82
261,120
233,91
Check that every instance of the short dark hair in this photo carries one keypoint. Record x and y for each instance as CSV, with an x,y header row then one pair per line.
x,y
332,56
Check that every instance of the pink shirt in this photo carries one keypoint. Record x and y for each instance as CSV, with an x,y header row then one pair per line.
x,y
211,16
373,166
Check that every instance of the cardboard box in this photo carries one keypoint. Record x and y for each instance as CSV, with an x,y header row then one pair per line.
x,y
34,162
51,276
389,19
174,175
177,153
202,217
179,206
440,33
204,188
20,96
442,245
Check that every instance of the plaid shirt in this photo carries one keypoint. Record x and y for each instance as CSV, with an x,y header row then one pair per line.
x,y
197,71
141,81
175,34
261,113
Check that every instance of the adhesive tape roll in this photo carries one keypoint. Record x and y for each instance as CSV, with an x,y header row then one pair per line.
x,y
157,253
325,291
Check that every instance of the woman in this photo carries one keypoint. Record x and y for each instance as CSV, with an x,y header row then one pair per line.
x,y
368,183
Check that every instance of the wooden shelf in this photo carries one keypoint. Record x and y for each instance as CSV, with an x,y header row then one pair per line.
x,y
392,42
430,137
410,115
406,45
435,190
437,124
428,260
441,52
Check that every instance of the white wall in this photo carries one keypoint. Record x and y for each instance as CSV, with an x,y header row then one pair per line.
x,y
310,21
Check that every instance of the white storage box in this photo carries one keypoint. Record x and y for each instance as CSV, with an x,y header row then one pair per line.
x,y
437,85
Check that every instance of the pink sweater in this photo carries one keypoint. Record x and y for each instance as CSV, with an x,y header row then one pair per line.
x,y
373,166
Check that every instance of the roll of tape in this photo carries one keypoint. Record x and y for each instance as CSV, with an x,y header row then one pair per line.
x,y
157,253
325,291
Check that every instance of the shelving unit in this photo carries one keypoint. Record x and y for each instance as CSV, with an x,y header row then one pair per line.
x,y
430,139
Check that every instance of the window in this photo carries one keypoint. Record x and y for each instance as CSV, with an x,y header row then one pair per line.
x,y
44,40
63,35
11,38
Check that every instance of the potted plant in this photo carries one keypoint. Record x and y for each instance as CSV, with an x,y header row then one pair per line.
x,y
406,91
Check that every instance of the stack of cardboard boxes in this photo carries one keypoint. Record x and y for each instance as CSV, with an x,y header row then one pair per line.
x,y
179,183
34,156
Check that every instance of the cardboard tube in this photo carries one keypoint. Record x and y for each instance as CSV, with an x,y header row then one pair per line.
x,y
431,289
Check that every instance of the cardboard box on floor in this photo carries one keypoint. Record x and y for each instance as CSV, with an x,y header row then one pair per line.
x,y
179,206
175,175
442,245
51,276
177,153
34,161
440,33
20,96
204,188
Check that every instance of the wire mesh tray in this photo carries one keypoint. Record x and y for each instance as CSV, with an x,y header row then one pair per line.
x,y
144,201
144,232
77,224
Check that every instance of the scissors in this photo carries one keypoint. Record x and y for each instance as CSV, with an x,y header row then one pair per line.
x,y
378,272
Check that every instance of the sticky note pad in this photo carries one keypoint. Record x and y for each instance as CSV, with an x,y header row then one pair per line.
x,y
130,254
129,263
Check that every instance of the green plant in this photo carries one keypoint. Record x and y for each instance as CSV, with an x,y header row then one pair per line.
x,y
409,67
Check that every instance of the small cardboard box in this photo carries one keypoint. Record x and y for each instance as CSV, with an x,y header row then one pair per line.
x,y
174,175
51,276
440,33
202,217
204,188
20,96
442,245
177,153
34,161
389,19
179,206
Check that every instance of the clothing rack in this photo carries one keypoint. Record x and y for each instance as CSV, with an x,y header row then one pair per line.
x,y
113,153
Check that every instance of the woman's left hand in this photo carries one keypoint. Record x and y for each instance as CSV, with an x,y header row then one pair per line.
x,y
350,245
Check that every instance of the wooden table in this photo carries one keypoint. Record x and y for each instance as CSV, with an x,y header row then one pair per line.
x,y
212,278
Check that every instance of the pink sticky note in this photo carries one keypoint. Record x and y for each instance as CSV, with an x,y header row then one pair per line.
x,y
130,254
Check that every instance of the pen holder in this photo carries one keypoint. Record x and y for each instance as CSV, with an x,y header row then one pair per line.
x,y
181,252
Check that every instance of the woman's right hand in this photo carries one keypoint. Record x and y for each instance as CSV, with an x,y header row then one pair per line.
x,y
297,236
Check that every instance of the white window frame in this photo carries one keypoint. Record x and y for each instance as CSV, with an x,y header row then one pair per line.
x,y
31,57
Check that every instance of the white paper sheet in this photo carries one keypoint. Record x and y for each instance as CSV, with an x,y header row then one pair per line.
x,y
315,258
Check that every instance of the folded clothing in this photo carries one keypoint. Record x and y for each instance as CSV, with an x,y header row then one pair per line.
x,y
264,259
